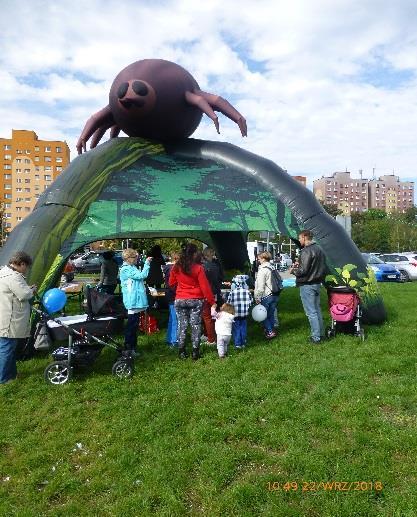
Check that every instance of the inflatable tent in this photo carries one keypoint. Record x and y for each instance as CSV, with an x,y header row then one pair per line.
x,y
212,191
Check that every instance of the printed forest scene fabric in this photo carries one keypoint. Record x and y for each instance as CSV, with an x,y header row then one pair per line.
x,y
161,192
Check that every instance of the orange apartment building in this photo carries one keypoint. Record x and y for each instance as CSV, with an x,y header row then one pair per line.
x,y
301,179
29,166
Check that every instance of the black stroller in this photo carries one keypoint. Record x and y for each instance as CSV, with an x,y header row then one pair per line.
x,y
345,311
84,332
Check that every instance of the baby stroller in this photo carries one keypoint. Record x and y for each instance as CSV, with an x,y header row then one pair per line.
x,y
345,312
84,344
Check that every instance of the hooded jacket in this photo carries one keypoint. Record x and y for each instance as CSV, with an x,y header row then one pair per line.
x,y
240,296
133,288
14,304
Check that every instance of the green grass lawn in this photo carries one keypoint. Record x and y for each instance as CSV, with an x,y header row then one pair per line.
x,y
224,437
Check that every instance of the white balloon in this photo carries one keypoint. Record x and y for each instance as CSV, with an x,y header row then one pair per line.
x,y
259,313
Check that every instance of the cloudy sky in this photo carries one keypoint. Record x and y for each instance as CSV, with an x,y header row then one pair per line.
x,y
325,85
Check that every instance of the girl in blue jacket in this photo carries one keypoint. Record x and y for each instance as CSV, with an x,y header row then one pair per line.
x,y
134,294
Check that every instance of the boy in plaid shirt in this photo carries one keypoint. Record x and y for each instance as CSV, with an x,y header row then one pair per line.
x,y
241,299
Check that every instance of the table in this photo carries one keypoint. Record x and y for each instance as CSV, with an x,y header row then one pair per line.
x,y
74,291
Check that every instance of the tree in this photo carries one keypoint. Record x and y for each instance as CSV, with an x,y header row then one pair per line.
x,y
410,215
374,213
3,229
226,197
332,209
375,230
133,199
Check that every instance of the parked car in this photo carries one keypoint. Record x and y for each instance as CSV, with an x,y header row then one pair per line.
x,y
411,254
91,261
407,265
383,272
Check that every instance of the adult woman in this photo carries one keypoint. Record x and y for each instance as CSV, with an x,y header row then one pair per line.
x,y
263,293
14,311
192,287
134,294
108,273
155,277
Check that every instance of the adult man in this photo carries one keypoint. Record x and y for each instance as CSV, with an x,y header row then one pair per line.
x,y
14,311
310,272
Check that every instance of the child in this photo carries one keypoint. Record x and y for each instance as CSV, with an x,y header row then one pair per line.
x,y
134,294
223,324
241,300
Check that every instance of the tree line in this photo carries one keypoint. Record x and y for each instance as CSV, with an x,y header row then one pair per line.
x,y
376,230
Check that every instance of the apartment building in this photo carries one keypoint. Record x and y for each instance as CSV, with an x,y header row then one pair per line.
x,y
301,179
340,189
29,166
390,194
359,194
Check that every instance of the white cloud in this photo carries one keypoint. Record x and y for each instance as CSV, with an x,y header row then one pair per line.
x,y
294,69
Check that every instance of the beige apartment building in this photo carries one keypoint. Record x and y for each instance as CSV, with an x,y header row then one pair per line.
x,y
390,194
29,166
349,194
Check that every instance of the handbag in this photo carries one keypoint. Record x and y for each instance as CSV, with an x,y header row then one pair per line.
x,y
42,339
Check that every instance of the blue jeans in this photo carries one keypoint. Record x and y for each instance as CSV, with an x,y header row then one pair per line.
x,y
8,370
269,302
239,331
172,326
131,331
310,298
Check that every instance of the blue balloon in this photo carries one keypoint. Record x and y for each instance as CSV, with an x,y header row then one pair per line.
x,y
54,300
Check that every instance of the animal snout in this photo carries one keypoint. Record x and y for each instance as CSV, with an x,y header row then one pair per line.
x,y
128,103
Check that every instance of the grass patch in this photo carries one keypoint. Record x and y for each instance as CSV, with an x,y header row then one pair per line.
x,y
210,437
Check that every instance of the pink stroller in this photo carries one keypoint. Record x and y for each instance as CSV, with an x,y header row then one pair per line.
x,y
345,312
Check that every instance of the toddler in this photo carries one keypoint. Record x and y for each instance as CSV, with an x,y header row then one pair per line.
x,y
224,321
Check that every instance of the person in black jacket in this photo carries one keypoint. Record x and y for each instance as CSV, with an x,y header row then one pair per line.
x,y
214,275
155,277
108,273
310,272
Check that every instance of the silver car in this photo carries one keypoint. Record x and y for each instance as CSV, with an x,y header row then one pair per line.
x,y
406,264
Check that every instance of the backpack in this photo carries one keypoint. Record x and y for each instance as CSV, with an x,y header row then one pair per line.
x,y
276,281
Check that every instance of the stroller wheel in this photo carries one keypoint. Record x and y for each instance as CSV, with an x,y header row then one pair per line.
x,y
123,369
361,334
58,372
